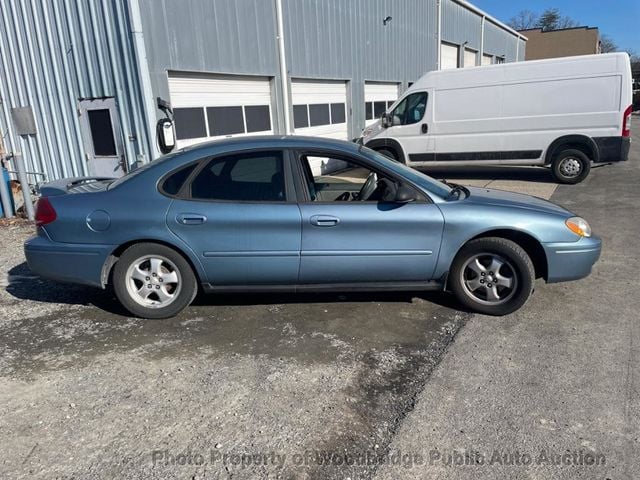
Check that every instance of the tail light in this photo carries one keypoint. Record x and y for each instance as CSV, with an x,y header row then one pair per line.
x,y
45,213
626,122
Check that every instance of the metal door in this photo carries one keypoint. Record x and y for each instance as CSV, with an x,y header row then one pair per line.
x,y
102,137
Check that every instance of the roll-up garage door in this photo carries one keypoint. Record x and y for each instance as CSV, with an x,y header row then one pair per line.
x,y
378,97
209,106
320,108
470,58
487,59
448,56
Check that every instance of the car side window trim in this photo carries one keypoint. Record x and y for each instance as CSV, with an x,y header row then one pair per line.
x,y
302,187
160,183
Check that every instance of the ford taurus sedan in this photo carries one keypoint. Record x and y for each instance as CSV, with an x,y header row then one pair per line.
x,y
298,214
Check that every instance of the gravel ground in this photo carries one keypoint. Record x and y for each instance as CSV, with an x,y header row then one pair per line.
x,y
235,387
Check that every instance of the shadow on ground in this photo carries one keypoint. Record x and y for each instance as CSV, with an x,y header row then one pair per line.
x,y
24,285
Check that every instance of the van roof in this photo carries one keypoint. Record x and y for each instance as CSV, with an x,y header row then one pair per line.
x,y
530,69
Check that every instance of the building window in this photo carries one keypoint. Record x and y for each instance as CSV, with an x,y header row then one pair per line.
x,y
338,114
189,123
104,144
318,114
300,116
258,118
225,121
374,110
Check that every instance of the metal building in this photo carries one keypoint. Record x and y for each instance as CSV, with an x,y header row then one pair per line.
x,y
80,79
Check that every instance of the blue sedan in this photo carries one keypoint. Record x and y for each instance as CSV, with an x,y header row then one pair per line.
x,y
298,214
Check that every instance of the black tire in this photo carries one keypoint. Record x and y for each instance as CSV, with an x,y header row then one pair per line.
x,y
516,261
188,286
387,152
561,168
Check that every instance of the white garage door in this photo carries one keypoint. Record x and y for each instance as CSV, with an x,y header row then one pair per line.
x,y
487,59
469,58
320,108
378,97
207,106
448,56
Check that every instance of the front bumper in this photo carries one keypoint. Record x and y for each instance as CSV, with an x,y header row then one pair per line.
x,y
67,262
571,260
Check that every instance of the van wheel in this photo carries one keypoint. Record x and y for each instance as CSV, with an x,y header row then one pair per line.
x,y
388,153
153,281
492,275
571,166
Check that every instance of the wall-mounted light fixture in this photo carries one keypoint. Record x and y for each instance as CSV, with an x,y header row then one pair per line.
x,y
386,20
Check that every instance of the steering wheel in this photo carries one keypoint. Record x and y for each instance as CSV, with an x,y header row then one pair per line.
x,y
368,188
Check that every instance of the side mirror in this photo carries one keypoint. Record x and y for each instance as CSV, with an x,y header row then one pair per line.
x,y
405,194
166,135
385,121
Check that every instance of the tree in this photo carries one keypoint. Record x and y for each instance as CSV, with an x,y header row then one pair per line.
x,y
524,20
607,44
552,19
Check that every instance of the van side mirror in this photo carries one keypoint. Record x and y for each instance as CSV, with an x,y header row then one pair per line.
x,y
405,194
385,121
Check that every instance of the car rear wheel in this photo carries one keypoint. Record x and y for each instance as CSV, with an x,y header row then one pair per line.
x,y
494,276
153,281
571,166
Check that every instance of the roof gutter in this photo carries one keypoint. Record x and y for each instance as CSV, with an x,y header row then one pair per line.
x,y
493,20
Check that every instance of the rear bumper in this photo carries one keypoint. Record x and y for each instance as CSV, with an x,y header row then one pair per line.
x,y
571,260
613,149
67,262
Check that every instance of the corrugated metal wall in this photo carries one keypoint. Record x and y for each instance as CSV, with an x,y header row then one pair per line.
x,y
498,41
334,39
216,36
460,25
325,39
54,53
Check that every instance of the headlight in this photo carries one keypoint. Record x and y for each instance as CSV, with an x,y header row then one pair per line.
x,y
367,131
579,226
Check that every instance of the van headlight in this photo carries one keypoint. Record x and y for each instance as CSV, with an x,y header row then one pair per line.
x,y
579,226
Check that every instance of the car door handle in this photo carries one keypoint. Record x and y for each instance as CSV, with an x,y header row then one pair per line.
x,y
424,128
191,219
324,221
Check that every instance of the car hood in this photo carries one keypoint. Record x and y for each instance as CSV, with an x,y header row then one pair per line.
x,y
487,196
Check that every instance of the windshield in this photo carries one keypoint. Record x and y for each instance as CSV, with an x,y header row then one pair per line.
x,y
431,184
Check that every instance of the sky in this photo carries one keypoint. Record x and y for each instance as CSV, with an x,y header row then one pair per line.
x,y
619,19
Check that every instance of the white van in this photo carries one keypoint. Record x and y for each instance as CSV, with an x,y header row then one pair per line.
x,y
563,112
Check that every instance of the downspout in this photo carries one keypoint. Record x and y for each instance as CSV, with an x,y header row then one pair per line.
x,y
144,76
283,68
439,46
482,39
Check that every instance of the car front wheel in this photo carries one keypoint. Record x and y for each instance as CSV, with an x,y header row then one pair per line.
x,y
153,281
494,276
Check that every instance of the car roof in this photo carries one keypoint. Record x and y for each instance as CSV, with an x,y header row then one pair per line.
x,y
272,141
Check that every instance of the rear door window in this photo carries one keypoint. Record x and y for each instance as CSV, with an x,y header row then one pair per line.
x,y
247,177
